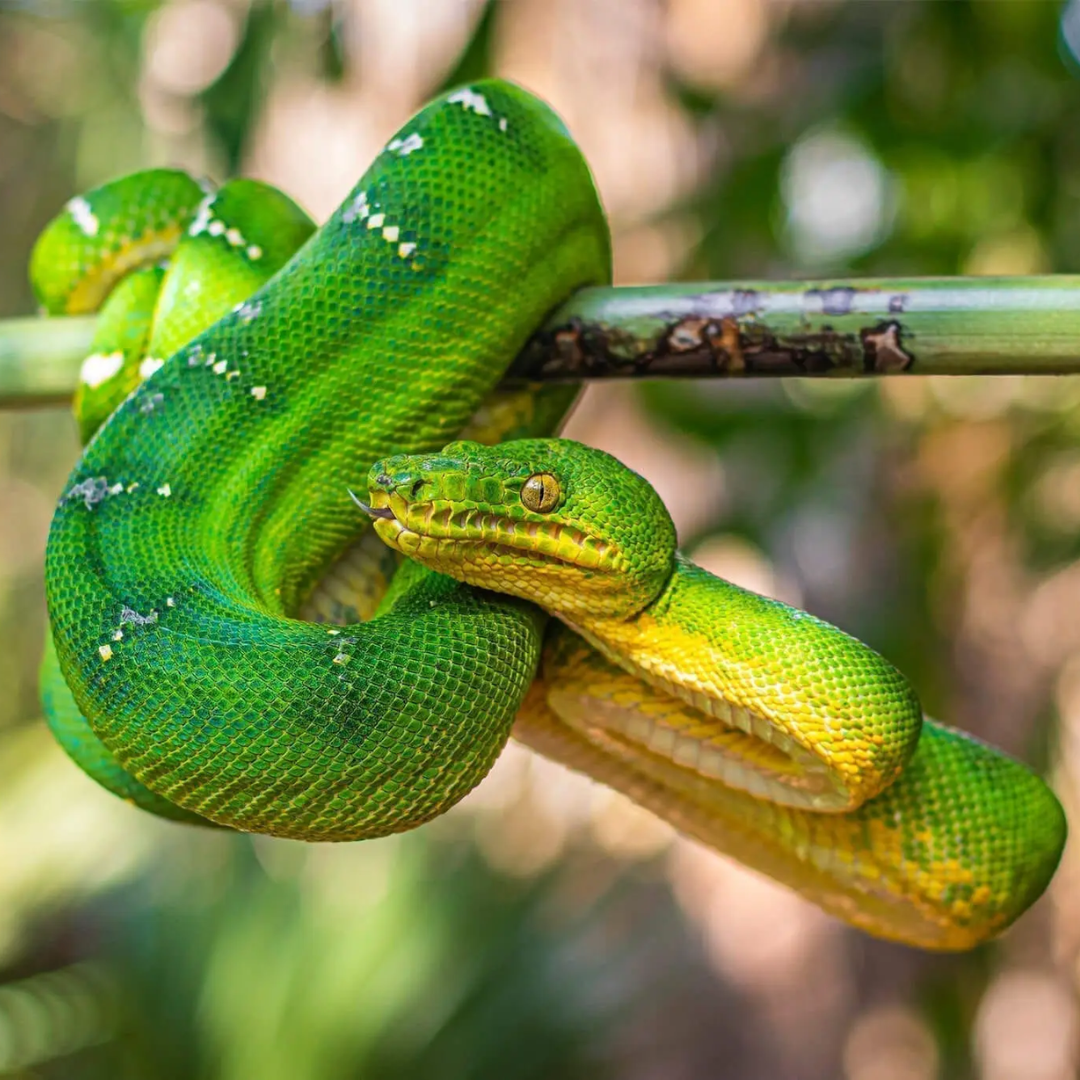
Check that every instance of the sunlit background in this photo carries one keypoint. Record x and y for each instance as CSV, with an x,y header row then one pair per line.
x,y
546,928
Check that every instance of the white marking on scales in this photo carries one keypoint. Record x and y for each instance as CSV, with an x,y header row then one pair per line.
x,y
358,208
203,216
470,99
83,216
404,147
100,367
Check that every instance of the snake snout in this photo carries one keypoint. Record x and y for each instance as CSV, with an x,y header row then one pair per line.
x,y
371,511
396,476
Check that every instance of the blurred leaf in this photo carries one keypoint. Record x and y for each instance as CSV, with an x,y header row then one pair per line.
x,y
232,100
475,61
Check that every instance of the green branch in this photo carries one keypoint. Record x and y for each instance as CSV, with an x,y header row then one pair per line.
x,y
925,326
40,358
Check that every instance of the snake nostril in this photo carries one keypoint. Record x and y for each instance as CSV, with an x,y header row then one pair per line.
x,y
382,480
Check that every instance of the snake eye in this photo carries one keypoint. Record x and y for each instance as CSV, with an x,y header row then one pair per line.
x,y
540,493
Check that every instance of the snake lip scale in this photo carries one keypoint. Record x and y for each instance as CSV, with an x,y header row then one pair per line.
x,y
409,531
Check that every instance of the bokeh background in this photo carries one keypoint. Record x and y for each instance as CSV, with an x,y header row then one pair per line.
x,y
546,928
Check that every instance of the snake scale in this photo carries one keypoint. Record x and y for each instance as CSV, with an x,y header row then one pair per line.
x,y
230,642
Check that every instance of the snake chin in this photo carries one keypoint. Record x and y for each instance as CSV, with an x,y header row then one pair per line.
x,y
572,574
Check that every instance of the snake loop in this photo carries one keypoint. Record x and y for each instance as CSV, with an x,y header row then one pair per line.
x,y
215,696
218,656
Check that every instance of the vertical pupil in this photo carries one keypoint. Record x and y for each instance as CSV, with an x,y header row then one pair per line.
x,y
540,493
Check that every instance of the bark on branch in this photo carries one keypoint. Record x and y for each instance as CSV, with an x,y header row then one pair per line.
x,y
857,328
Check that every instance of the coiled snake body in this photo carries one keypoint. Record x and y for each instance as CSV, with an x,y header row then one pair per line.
x,y
203,514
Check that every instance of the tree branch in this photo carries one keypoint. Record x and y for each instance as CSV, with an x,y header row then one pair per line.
x,y
859,328
40,358
925,326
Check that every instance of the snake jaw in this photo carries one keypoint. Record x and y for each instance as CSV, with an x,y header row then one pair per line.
x,y
571,570
387,526
443,533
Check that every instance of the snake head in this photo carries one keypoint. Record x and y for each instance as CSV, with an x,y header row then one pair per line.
x,y
549,520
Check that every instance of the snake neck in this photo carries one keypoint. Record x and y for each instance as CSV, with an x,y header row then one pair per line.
x,y
767,713
656,642
722,735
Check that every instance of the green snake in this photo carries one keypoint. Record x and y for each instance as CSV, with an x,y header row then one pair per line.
x,y
232,644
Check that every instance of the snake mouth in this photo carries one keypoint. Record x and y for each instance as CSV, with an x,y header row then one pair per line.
x,y
442,536
383,512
